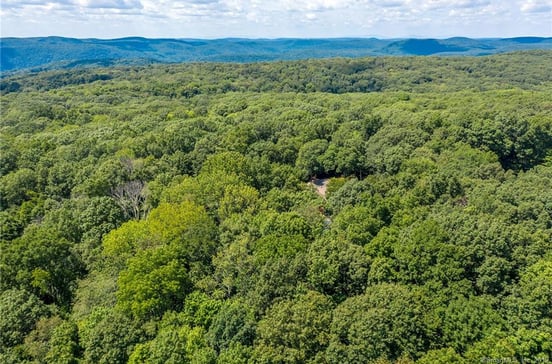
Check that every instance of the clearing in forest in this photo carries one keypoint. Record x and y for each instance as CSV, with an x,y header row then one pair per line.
x,y
320,184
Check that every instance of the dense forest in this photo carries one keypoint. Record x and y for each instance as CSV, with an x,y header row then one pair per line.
x,y
164,213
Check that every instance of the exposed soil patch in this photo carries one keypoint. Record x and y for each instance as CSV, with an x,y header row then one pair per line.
x,y
320,184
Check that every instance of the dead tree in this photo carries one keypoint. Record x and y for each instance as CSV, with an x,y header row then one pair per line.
x,y
131,197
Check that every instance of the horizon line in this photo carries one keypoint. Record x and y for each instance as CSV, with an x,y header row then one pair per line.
x,y
279,38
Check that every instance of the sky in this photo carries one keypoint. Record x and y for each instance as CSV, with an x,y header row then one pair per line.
x,y
276,19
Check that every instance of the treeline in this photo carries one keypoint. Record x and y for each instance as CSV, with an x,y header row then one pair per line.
x,y
163,214
340,75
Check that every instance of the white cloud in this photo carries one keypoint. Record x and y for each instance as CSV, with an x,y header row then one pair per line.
x,y
11,4
470,3
280,18
534,6
455,4
316,5
390,3
111,4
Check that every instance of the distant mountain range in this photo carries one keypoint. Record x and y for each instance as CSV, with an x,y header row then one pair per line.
x,y
57,52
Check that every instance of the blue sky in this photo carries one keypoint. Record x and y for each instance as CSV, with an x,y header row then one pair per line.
x,y
273,19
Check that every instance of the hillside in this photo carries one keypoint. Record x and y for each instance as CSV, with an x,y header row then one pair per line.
x,y
166,214
58,52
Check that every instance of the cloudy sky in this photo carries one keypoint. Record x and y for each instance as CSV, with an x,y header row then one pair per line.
x,y
273,18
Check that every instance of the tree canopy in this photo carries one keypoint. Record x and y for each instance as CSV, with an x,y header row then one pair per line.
x,y
167,214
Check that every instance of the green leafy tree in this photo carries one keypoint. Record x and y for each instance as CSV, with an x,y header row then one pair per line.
x,y
154,282
521,345
37,342
357,224
386,321
294,331
276,280
426,254
200,309
108,337
466,320
185,227
310,158
272,247
42,262
16,187
531,302
238,200
337,268
174,343
234,269
441,356
287,223
20,312
234,324
64,345
235,354
346,152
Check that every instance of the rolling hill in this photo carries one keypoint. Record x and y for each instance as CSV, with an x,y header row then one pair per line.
x,y
58,52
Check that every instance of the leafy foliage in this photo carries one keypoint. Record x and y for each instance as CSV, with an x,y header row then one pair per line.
x,y
166,213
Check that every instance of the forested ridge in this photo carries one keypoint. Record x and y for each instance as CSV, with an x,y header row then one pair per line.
x,y
40,53
163,213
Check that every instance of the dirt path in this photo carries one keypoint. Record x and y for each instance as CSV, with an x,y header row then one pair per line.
x,y
321,184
